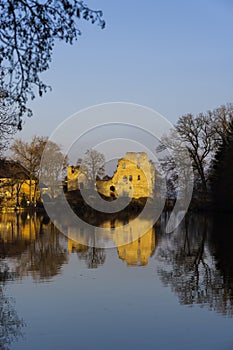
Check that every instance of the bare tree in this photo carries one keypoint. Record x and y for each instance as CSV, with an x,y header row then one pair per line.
x,y
15,176
92,165
175,164
28,32
8,123
200,135
29,154
222,117
53,168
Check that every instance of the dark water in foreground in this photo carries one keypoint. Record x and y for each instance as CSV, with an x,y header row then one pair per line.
x,y
163,291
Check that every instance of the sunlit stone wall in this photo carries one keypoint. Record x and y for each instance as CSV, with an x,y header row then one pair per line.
x,y
74,178
134,177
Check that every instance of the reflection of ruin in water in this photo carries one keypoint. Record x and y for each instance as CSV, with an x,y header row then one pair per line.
x,y
196,260
34,246
141,246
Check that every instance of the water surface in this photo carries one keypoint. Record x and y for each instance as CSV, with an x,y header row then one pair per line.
x,y
163,291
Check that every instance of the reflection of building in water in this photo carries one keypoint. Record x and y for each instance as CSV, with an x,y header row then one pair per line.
x,y
138,252
141,237
134,238
15,226
134,177
16,232
74,246
76,236
32,244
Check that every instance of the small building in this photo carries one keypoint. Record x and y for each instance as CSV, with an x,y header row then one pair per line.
x,y
16,188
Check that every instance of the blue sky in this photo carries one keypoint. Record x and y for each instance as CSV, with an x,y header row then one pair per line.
x,y
174,56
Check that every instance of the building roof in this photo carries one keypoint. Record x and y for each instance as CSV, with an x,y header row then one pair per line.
x,y
12,169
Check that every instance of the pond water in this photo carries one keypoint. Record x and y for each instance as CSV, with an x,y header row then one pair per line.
x,y
162,291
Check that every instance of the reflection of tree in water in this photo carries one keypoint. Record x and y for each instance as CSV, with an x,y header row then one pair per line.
x,y
10,323
44,257
186,264
221,246
93,257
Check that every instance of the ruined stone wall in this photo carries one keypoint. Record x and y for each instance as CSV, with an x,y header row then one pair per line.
x,y
74,178
134,177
